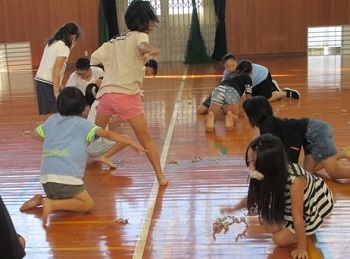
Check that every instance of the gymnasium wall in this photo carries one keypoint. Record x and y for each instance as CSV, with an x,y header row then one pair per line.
x,y
253,27
279,26
37,20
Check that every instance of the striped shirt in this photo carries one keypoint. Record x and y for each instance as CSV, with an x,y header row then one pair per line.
x,y
318,200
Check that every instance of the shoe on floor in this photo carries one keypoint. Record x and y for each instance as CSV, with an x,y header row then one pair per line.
x,y
275,86
291,93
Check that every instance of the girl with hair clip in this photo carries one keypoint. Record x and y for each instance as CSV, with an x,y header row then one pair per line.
x,y
65,137
290,201
52,66
123,58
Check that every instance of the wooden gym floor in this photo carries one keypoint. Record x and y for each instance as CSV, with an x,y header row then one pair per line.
x,y
175,221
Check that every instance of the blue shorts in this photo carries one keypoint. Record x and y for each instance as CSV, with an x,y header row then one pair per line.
x,y
45,97
319,140
224,94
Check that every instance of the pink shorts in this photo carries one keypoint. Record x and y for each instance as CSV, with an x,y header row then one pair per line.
x,y
125,105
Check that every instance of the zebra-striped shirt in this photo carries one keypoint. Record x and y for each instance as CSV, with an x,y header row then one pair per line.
x,y
318,200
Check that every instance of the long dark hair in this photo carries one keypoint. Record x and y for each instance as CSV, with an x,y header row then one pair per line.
x,y
71,101
64,32
267,196
138,15
257,109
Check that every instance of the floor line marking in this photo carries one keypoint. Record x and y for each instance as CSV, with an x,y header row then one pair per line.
x,y
142,237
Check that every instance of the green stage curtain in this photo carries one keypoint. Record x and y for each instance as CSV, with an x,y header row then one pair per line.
x,y
107,20
196,51
220,48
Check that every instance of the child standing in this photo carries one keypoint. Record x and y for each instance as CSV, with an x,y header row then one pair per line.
x,y
315,136
49,76
101,148
66,136
291,202
123,59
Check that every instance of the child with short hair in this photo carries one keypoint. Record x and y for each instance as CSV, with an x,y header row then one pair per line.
x,y
123,58
66,136
290,201
84,74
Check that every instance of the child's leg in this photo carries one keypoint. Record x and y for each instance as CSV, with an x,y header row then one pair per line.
x,y
106,157
213,111
34,202
344,153
311,165
277,95
82,202
284,237
231,118
139,126
201,109
102,120
335,170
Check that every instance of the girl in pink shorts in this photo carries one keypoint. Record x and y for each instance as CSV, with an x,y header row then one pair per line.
x,y
123,58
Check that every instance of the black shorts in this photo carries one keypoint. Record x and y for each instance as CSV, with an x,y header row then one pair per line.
x,y
265,88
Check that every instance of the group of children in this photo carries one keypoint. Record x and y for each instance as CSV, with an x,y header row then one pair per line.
x,y
291,201
240,81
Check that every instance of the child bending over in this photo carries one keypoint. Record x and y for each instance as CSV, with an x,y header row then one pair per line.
x,y
315,136
290,201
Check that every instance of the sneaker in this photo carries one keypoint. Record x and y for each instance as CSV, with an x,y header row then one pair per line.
x,y
292,93
275,86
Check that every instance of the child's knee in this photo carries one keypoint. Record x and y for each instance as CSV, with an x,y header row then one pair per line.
x,y
89,206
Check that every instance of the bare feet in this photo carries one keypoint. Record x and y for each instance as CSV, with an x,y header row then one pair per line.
x,y
32,203
47,209
107,161
209,122
229,121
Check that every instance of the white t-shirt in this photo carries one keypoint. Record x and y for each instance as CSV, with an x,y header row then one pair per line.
x,y
50,54
76,81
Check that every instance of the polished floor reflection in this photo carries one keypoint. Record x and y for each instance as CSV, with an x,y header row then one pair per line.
x,y
175,221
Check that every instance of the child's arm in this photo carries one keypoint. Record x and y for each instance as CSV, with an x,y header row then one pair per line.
x,y
230,209
36,136
145,48
56,76
118,138
297,197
